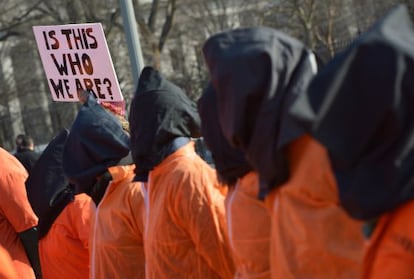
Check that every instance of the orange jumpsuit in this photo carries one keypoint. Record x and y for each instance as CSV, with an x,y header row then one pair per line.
x,y
64,249
16,214
390,251
185,225
116,243
249,223
312,236
7,270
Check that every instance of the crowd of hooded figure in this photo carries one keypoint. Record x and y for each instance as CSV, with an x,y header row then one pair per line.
x,y
312,172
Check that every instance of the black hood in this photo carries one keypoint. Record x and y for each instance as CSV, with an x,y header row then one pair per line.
x,y
47,182
229,161
96,142
257,74
361,107
160,112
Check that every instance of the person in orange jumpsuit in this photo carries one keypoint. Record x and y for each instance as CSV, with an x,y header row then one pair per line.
x,y
18,222
360,107
185,228
248,219
257,74
64,218
96,161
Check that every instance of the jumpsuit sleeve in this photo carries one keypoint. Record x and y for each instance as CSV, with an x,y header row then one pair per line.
x,y
136,218
201,207
138,212
14,203
81,212
390,251
7,268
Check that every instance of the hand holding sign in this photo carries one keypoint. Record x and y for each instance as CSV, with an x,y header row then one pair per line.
x,y
76,57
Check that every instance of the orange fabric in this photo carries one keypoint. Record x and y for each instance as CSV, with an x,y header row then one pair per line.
x,y
7,270
116,243
390,251
185,225
64,249
248,221
16,214
312,236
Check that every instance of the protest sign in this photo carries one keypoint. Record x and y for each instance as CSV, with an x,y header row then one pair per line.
x,y
76,57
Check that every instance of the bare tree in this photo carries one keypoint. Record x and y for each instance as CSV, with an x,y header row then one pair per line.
x,y
155,20
199,20
319,24
330,25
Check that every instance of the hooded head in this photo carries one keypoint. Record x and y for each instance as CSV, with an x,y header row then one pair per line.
x,y
257,74
160,112
360,106
47,181
96,142
229,161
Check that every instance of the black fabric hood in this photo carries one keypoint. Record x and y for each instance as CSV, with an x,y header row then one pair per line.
x,y
361,107
257,74
229,162
96,142
160,112
46,182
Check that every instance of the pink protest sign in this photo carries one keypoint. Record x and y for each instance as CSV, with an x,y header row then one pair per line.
x,y
76,57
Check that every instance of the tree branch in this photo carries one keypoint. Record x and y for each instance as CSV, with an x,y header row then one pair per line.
x,y
168,24
152,19
5,35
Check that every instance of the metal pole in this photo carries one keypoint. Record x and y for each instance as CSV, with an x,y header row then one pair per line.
x,y
131,32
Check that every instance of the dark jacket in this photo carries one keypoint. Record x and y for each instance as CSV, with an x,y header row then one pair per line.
x,y
28,158
47,187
